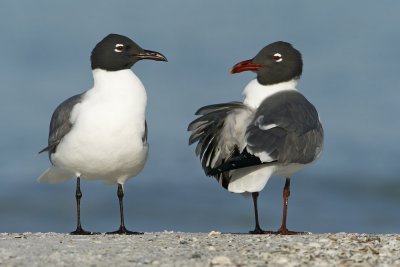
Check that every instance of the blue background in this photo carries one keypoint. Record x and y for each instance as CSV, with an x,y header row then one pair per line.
x,y
351,74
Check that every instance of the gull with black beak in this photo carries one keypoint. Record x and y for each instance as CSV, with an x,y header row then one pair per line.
x,y
275,131
102,133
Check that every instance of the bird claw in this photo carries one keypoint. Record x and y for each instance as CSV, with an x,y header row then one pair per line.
x,y
123,231
285,231
80,231
260,232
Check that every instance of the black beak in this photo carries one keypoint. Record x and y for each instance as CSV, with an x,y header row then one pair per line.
x,y
147,54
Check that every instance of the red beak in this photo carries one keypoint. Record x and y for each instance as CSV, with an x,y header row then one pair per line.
x,y
245,66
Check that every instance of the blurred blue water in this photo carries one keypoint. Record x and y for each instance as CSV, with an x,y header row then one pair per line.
x,y
351,69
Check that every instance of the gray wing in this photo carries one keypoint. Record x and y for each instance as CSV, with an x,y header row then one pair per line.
x,y
60,123
218,134
286,129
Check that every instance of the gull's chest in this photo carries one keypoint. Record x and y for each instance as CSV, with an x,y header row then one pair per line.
x,y
110,113
116,102
110,118
106,139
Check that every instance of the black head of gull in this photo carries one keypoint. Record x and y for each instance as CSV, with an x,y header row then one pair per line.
x,y
118,52
277,62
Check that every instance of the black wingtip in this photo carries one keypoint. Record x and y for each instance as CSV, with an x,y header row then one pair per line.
x,y
198,112
213,172
43,150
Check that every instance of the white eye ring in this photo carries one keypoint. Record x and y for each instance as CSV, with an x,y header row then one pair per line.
x,y
277,57
119,48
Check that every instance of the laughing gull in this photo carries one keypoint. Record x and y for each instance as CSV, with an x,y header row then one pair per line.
x,y
102,133
275,131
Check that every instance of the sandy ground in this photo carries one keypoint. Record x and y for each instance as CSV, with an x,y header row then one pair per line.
x,y
199,249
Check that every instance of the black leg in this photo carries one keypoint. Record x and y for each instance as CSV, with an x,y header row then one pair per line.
x,y
122,230
257,230
286,193
78,196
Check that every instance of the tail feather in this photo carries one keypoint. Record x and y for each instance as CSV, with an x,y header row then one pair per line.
x,y
54,175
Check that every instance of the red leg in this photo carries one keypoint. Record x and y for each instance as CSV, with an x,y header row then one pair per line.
x,y
283,229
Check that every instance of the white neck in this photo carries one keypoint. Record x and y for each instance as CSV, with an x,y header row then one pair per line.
x,y
255,93
122,87
115,79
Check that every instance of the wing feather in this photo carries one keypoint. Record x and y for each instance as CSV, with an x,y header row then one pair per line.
x,y
285,128
217,135
60,123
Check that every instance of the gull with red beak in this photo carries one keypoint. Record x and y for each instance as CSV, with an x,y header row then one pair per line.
x,y
275,131
102,133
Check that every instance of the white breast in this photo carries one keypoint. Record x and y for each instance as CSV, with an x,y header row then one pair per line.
x,y
106,141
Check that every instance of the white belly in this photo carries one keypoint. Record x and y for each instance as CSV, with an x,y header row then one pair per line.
x,y
95,157
106,140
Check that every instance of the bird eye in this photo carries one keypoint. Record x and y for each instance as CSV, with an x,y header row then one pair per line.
x,y
119,48
277,57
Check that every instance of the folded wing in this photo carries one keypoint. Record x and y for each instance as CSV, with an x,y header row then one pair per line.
x,y
285,129
60,123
